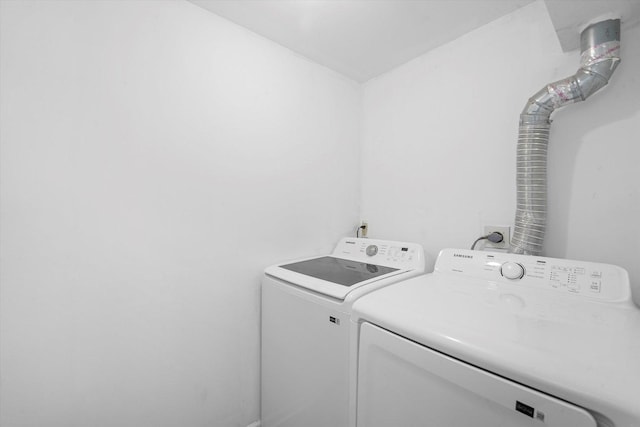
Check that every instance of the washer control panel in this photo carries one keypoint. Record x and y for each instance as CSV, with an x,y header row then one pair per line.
x,y
595,280
404,255
372,250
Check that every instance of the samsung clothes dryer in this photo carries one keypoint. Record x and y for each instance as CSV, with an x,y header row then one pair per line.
x,y
306,306
495,339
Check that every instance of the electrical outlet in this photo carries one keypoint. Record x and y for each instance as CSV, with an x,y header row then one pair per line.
x,y
365,228
506,233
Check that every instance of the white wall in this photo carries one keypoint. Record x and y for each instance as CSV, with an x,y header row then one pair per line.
x,y
440,133
155,159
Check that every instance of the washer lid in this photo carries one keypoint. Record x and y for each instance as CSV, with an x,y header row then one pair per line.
x,y
332,276
354,264
337,270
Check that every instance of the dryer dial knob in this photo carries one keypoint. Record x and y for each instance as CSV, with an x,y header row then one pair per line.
x,y
372,250
512,270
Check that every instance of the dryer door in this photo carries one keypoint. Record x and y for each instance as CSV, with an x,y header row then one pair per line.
x,y
401,383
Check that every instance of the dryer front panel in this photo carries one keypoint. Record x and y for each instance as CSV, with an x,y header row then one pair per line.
x,y
402,383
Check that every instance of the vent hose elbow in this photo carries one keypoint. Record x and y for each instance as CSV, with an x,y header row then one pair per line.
x,y
600,55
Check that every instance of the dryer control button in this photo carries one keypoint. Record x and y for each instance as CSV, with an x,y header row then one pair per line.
x,y
512,270
372,250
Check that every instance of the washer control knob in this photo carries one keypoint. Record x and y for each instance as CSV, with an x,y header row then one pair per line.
x,y
512,270
372,250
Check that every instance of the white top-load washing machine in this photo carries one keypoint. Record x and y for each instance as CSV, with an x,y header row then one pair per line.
x,y
305,327
495,339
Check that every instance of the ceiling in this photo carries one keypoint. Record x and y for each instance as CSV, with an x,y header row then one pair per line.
x,y
365,38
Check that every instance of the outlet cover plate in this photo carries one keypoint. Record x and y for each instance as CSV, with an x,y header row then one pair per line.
x,y
506,232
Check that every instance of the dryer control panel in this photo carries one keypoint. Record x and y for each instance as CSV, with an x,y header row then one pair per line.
x,y
589,279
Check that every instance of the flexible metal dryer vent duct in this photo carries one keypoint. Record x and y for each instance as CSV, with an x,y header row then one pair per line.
x,y
600,55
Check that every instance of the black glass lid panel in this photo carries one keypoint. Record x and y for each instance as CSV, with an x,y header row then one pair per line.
x,y
337,270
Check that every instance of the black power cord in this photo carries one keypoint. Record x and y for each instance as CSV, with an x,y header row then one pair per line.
x,y
495,237
361,227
